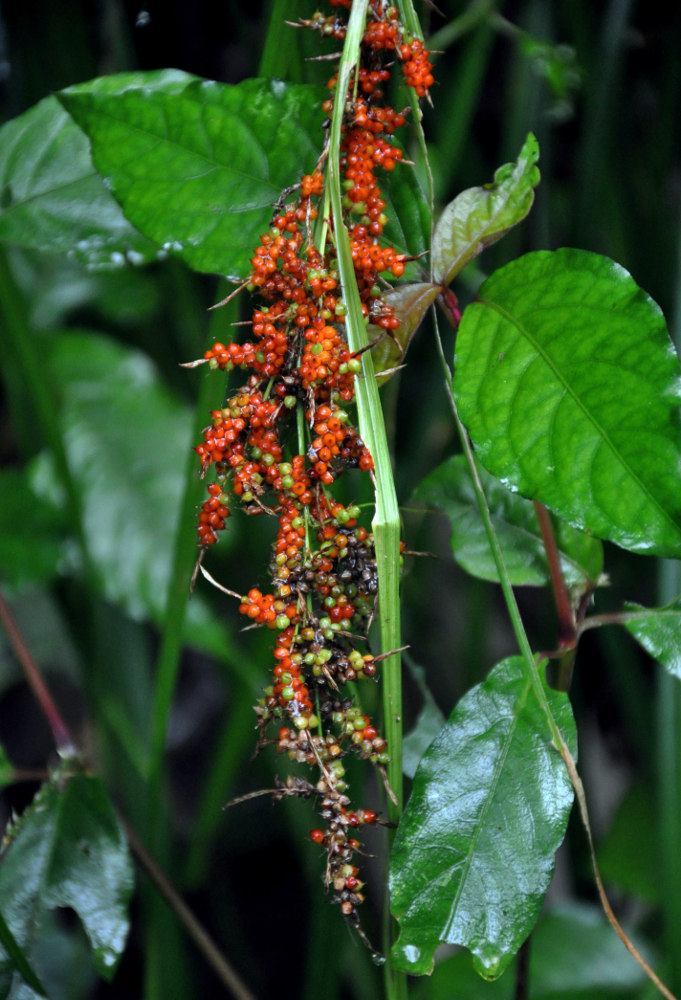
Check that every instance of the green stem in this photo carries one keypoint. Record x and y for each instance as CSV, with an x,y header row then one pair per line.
x,y
385,524
528,658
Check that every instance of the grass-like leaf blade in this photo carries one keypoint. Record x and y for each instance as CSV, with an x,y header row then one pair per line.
x,y
474,852
569,386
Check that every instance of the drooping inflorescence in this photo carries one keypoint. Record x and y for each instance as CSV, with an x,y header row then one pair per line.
x,y
280,442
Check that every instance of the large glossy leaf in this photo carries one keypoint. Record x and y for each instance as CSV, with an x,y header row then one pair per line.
x,y
602,970
574,955
658,630
199,168
474,851
51,197
127,437
480,216
450,488
67,850
569,386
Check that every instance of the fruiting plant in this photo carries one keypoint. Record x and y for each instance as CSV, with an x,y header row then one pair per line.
x,y
563,388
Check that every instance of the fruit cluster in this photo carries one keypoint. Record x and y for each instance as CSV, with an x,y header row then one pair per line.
x,y
281,441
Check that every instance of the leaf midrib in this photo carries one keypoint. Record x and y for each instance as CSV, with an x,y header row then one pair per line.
x,y
519,704
524,332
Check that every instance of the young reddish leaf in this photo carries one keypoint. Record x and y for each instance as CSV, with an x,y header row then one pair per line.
x,y
199,169
474,851
569,386
411,303
480,216
450,488
68,850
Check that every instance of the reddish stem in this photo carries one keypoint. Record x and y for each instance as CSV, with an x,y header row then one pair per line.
x,y
567,628
450,305
60,731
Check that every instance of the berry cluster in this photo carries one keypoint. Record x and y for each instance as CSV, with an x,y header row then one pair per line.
x,y
281,441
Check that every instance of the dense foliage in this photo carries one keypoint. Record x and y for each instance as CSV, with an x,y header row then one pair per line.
x,y
122,192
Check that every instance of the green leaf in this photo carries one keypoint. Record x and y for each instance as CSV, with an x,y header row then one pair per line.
x,y
16,956
658,630
569,387
474,851
7,771
68,850
126,436
428,724
624,856
198,168
480,216
52,199
408,226
604,970
31,547
450,488
411,303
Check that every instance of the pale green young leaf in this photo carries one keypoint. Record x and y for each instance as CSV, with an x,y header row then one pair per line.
x,y
480,216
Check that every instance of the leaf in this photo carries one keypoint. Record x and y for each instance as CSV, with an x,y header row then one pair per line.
x,y
474,851
198,168
603,970
52,199
68,850
450,488
7,771
569,387
428,724
411,303
408,226
126,436
480,216
658,630
31,547
624,856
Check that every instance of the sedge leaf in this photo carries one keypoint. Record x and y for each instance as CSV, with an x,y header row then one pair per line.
x,y
198,169
569,386
474,851
450,488
68,850
480,216
658,630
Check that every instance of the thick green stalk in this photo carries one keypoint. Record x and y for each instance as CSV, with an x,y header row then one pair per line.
x,y
385,524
